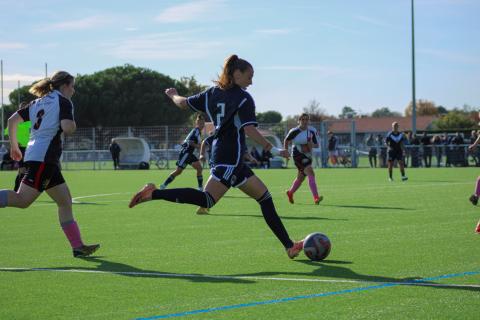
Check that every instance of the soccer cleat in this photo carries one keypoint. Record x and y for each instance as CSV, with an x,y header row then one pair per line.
x,y
202,211
477,230
293,251
473,199
318,199
143,195
290,196
404,178
85,250
390,179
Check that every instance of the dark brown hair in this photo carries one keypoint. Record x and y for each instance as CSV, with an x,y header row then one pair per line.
x,y
304,115
232,63
47,85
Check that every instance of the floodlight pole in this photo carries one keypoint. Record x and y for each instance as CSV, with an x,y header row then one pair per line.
x,y
414,104
46,70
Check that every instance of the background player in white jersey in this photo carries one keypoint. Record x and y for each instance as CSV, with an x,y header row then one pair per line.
x,y
395,142
304,139
474,197
232,111
51,116
187,156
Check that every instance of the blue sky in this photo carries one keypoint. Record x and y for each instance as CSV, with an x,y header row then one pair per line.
x,y
344,52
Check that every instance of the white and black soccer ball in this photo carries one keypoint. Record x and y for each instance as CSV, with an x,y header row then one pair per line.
x,y
317,246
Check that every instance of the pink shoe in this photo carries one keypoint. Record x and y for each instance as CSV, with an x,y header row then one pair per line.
x,y
318,199
290,196
143,195
295,249
477,230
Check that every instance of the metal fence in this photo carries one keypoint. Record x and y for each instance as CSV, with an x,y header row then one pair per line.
x,y
88,148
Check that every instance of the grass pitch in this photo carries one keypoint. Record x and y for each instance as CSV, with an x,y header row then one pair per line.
x,y
401,250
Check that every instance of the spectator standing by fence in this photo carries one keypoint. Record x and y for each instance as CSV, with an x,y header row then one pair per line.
x,y
427,150
437,143
372,151
115,152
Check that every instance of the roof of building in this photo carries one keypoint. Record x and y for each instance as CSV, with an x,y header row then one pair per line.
x,y
369,124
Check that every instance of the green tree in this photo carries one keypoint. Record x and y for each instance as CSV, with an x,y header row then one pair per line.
x,y
455,120
269,117
193,87
126,96
347,113
385,112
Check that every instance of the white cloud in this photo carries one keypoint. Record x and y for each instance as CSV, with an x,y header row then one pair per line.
x,y
168,45
12,45
14,77
191,11
80,24
451,56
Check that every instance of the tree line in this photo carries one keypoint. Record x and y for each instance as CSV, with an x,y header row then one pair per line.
x,y
133,96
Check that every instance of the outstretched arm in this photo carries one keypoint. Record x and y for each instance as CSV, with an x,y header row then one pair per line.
x,y
179,100
471,147
256,136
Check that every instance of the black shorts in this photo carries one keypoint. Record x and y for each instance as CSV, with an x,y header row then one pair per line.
x,y
395,155
42,176
186,158
302,161
231,176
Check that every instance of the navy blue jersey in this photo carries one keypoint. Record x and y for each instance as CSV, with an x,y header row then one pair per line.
x,y
230,110
193,136
395,141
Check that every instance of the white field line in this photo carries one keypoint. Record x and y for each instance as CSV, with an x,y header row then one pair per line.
x,y
180,275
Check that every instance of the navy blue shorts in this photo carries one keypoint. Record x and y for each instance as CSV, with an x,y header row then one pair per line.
x,y
186,158
395,155
231,176
42,176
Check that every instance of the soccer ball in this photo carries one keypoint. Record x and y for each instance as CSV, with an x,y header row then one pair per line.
x,y
316,246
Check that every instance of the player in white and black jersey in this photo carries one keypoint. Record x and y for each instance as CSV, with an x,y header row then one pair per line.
x,y
232,110
304,139
187,156
395,141
51,116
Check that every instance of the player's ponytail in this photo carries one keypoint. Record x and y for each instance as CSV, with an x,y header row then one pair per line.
x,y
232,63
47,85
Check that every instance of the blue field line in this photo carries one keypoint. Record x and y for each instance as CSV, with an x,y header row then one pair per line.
x,y
310,296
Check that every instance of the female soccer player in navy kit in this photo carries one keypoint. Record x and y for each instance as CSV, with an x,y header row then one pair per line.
x,y
186,157
51,115
395,142
232,111
304,139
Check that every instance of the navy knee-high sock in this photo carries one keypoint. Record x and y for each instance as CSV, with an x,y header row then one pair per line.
x,y
185,195
273,220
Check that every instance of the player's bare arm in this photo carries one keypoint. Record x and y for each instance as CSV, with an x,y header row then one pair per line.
x,y
179,100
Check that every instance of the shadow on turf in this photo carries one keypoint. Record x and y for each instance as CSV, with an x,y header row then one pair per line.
x,y
123,269
261,216
328,269
365,207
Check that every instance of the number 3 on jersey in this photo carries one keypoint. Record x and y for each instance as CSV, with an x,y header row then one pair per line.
x,y
40,114
220,112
